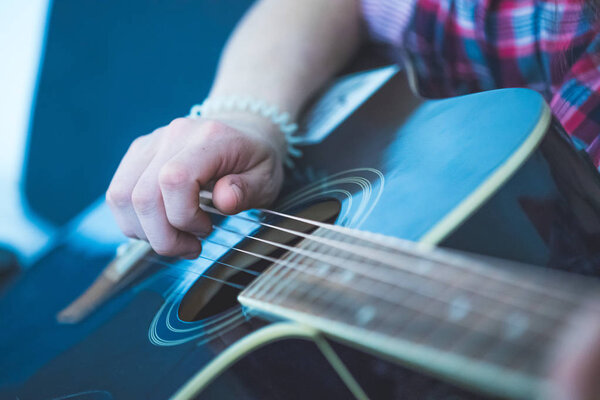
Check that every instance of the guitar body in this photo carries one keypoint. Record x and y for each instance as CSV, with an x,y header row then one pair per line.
x,y
489,173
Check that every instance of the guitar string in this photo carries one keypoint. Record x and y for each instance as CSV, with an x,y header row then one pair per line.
x,y
457,344
418,310
344,246
436,314
274,244
359,271
459,262
279,262
241,269
318,256
200,274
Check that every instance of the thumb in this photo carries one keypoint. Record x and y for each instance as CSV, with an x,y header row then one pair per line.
x,y
238,192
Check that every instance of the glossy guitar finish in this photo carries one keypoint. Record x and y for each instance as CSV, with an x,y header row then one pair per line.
x,y
488,173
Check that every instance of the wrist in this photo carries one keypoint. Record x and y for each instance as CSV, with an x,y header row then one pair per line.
x,y
266,118
254,126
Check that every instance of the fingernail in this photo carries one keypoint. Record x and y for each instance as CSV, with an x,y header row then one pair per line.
x,y
238,193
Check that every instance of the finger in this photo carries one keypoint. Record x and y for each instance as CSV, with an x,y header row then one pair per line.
x,y
189,171
150,210
238,192
164,239
118,195
180,192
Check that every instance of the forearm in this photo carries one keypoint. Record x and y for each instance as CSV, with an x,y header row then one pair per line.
x,y
284,50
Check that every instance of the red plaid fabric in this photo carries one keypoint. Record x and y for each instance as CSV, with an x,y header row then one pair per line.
x,y
456,47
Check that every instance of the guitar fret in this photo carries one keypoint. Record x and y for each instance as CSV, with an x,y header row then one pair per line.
x,y
263,285
547,307
418,325
323,269
510,330
415,328
502,311
432,311
259,287
293,277
531,365
445,336
477,346
506,356
473,345
280,273
488,319
502,351
548,310
286,282
413,302
490,292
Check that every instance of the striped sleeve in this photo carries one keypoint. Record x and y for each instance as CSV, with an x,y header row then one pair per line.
x,y
387,20
455,47
576,103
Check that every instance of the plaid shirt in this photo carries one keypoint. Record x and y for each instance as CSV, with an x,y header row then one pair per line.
x,y
461,46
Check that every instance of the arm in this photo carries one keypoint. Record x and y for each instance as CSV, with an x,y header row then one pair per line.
x,y
281,52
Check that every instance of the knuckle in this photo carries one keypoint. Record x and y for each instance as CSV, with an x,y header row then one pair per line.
x,y
173,174
211,125
178,125
213,130
156,133
117,196
143,200
138,143
179,221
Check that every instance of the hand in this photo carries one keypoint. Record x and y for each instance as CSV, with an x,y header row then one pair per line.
x,y
154,194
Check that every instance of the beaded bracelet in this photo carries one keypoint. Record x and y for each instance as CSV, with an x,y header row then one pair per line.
x,y
212,106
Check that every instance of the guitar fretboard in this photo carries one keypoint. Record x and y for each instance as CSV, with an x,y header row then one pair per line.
x,y
490,324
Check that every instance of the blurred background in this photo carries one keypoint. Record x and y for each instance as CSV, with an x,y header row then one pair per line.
x,y
79,81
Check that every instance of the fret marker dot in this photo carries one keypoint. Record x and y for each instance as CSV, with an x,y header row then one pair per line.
x,y
365,314
458,308
515,325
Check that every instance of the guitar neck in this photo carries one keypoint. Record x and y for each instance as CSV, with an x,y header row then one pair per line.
x,y
488,324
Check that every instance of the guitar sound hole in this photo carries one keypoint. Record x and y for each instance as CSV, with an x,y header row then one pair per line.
x,y
209,296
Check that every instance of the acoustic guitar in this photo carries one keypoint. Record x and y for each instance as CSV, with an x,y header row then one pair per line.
x,y
340,290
